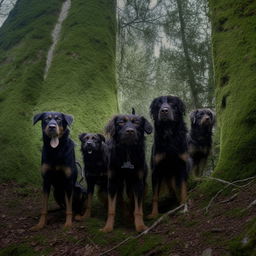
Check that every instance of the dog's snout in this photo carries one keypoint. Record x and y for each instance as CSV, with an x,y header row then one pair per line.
x,y
52,126
164,110
207,118
130,131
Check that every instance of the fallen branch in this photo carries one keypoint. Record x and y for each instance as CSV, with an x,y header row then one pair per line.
x,y
253,203
144,232
229,184
229,199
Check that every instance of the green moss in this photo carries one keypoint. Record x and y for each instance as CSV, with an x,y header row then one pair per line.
x,y
141,246
245,244
81,80
20,250
234,41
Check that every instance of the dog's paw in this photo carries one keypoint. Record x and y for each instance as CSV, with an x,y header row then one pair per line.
x,y
106,229
68,225
152,216
78,217
36,227
141,228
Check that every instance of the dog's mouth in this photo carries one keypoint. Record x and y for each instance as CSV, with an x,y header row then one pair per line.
x,y
54,141
89,149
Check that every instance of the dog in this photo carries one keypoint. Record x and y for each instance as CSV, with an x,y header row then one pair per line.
x,y
94,151
58,167
200,138
169,160
127,166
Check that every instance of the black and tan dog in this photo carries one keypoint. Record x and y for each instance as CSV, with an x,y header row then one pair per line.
x,y
127,166
200,138
58,167
95,158
170,159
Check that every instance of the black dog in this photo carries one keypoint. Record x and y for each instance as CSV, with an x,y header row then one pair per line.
x,y
94,152
169,161
200,138
58,166
127,166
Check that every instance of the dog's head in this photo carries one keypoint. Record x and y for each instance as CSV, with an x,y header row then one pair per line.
x,y
167,108
91,142
128,129
54,125
204,117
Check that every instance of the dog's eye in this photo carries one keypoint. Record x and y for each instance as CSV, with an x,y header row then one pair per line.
x,y
93,138
47,119
121,123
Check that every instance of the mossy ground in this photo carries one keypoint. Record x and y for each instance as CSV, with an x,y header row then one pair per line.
x,y
81,80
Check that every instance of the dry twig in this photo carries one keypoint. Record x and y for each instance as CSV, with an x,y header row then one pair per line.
x,y
144,232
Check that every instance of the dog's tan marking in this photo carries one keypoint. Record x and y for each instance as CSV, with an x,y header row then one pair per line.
x,y
154,212
159,157
138,216
87,213
111,214
45,168
68,222
184,157
67,171
43,217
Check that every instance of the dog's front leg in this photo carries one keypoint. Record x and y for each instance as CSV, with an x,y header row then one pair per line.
x,y
112,195
43,218
138,209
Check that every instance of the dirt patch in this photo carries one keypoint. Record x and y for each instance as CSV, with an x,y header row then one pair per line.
x,y
180,235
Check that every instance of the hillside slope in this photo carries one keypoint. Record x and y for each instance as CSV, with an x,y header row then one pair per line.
x,y
81,80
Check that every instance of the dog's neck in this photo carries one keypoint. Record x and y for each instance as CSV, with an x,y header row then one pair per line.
x,y
201,134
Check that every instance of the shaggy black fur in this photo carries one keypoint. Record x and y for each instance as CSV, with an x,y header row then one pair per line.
x,y
127,166
58,166
169,161
200,138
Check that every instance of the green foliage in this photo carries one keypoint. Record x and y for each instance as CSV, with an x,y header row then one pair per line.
x,y
234,41
81,80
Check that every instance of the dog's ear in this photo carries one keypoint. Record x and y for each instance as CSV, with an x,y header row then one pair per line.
x,y
213,116
111,127
68,118
102,138
81,136
148,128
192,116
181,106
38,117
153,108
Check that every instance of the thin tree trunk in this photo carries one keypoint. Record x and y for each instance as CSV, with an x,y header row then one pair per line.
x,y
190,73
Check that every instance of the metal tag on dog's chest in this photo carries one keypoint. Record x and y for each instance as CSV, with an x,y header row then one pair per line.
x,y
127,165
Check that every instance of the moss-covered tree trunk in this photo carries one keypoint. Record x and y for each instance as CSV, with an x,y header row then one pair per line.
x,y
81,80
234,49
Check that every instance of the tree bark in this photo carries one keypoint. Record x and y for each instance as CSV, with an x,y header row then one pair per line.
x,y
234,41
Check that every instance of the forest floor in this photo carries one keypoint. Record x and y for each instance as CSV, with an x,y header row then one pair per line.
x,y
194,233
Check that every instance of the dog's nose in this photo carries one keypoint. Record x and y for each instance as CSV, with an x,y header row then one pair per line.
x,y
130,131
52,126
164,110
207,118
89,143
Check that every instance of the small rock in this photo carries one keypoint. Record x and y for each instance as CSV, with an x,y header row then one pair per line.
x,y
245,240
207,252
